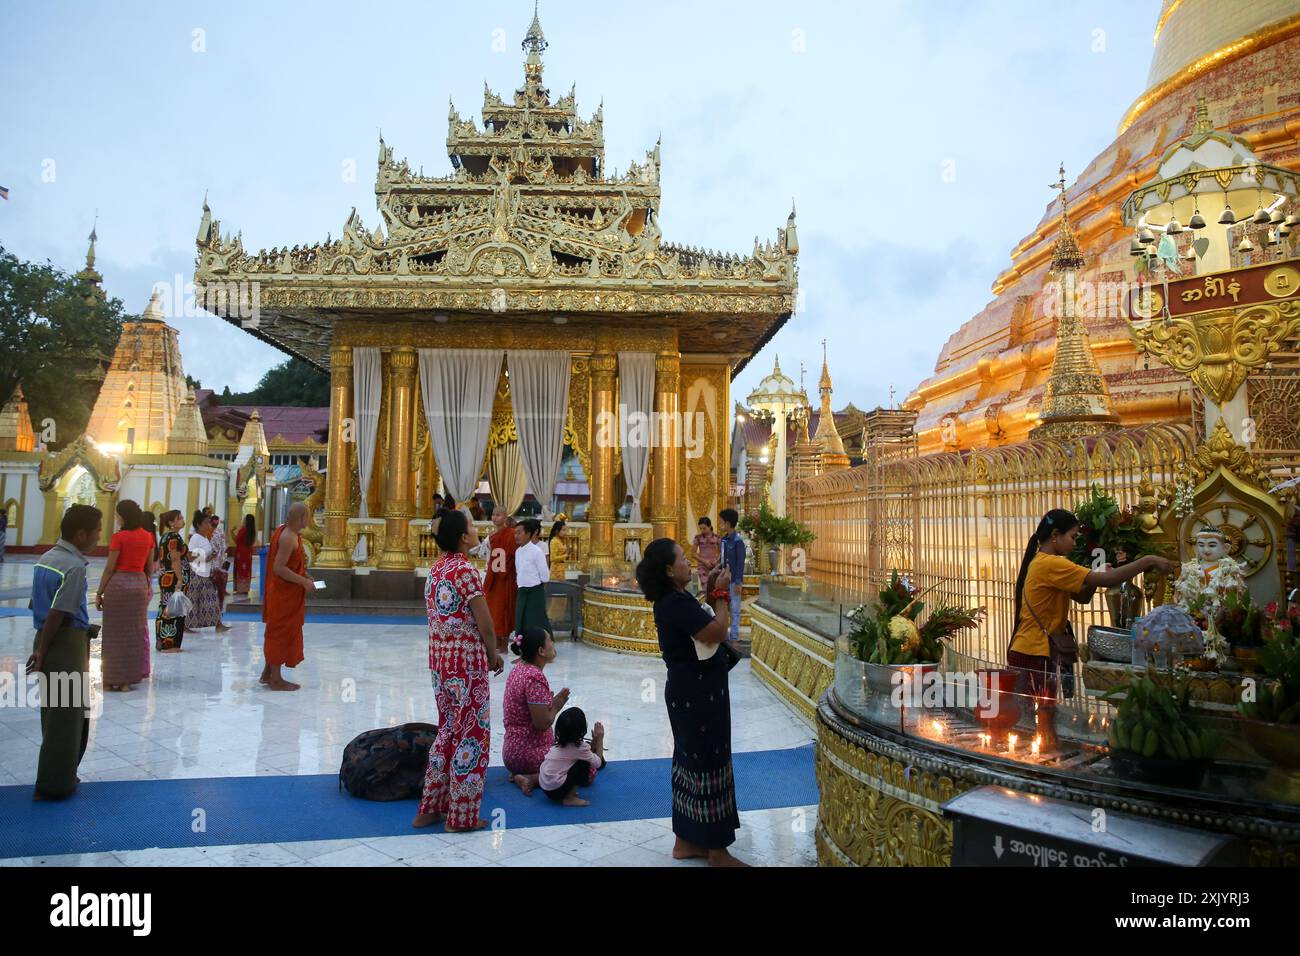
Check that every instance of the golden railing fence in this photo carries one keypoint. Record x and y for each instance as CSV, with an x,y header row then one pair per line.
x,y
959,521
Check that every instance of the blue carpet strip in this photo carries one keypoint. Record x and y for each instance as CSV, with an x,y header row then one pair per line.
x,y
141,814
312,618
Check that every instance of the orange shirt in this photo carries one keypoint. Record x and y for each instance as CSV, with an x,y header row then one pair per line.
x,y
1051,582
133,548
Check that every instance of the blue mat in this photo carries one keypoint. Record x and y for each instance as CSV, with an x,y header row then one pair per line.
x,y
140,814
312,618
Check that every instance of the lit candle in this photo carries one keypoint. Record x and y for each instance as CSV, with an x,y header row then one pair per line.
x,y
1038,741
938,728
985,740
1011,743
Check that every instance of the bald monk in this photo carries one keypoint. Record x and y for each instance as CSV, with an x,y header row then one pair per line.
x,y
285,608
500,587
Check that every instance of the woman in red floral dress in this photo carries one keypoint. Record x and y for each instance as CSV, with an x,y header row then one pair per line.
x,y
462,654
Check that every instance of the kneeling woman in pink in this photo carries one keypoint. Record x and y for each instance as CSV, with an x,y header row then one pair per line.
x,y
530,708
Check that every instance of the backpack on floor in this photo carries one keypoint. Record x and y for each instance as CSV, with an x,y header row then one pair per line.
x,y
389,763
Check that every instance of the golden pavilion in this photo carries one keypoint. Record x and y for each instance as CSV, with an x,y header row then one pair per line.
x,y
502,313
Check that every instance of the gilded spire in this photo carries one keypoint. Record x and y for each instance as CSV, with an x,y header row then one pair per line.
x,y
89,274
1066,254
255,435
16,431
1203,122
828,436
534,45
1076,402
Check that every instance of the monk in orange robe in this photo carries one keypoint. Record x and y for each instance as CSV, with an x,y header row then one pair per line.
x,y
500,586
285,606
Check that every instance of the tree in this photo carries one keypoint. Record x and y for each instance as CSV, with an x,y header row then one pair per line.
x,y
292,382
57,335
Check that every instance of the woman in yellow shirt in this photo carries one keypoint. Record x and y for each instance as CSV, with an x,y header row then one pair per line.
x,y
1047,582
557,550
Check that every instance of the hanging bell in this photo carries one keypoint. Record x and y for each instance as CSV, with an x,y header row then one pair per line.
x,y
1146,236
1135,248
1197,221
1272,238
1226,218
1283,231
1245,245
1293,220
1261,217
1277,218
1174,227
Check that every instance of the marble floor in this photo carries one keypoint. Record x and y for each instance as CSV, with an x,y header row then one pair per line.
x,y
203,714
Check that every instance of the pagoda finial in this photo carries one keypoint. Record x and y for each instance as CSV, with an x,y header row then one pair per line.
x,y
90,252
534,45
1203,122
1066,254
825,384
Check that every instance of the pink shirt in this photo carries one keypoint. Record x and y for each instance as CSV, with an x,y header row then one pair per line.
x,y
526,685
558,762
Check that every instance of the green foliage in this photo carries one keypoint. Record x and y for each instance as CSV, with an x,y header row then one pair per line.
x,y
56,339
1239,620
292,382
1278,658
887,633
770,528
1155,720
1103,524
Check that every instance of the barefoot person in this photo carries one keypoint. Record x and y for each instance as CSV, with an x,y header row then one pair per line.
x,y
499,586
530,708
123,596
699,708
462,655
61,652
285,609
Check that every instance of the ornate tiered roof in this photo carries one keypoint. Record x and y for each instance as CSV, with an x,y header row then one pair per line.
x,y
529,221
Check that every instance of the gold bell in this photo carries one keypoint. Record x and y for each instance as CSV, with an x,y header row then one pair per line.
x,y
1261,216
1197,221
1245,245
1146,236
1226,218
1174,227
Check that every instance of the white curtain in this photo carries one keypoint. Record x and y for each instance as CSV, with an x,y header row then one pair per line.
x,y
506,477
367,392
458,387
539,394
636,392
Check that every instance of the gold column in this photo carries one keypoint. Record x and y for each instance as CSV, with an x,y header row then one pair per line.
x,y
401,437
600,513
338,478
667,448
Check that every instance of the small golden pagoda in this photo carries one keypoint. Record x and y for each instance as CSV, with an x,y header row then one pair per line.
x,y
1076,401
531,243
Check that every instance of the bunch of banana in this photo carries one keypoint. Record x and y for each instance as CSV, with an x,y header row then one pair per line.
x,y
1154,722
1272,705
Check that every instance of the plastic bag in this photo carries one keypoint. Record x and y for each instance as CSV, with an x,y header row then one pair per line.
x,y
179,604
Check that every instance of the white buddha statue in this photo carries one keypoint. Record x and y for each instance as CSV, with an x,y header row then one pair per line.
x,y
1205,580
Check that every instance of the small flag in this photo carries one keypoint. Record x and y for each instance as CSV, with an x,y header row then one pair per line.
x,y
4,192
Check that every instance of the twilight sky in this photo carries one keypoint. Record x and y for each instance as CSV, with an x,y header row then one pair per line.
x,y
917,138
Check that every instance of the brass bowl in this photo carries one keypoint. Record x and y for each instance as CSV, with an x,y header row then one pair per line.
x,y
1110,644
1277,743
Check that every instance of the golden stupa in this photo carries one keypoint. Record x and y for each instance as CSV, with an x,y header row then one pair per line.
x,y
1243,57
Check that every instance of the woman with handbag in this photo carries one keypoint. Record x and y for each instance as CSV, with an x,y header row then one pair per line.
x,y
173,579
203,590
693,645
1044,642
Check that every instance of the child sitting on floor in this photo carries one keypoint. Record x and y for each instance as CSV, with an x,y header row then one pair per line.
x,y
571,763
530,708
